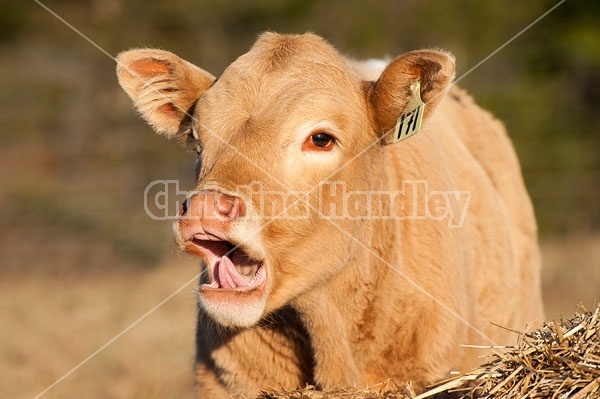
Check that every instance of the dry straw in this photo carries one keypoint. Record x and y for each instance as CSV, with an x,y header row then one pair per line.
x,y
560,360
381,391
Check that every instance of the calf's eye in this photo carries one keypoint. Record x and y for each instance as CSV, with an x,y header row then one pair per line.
x,y
320,141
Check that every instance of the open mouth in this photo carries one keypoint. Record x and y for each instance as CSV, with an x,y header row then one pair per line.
x,y
229,266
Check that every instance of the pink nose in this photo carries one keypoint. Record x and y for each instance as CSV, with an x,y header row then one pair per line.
x,y
208,214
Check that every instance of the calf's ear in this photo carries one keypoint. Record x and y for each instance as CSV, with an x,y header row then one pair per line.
x,y
390,94
162,86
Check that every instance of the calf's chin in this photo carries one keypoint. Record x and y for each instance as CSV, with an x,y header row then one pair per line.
x,y
235,311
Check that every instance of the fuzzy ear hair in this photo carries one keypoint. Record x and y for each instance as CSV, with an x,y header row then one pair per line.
x,y
390,94
162,86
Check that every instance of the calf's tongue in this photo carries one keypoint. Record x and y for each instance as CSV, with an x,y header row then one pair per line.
x,y
229,277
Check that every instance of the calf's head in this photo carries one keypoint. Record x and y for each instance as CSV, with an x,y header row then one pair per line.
x,y
272,134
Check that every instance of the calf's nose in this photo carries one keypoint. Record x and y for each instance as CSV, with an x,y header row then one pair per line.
x,y
208,214
207,204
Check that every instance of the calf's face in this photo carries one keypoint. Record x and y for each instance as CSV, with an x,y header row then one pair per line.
x,y
282,122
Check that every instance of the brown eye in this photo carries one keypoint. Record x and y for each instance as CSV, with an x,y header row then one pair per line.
x,y
319,141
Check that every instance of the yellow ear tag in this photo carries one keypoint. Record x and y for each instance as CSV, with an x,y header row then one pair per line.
x,y
410,121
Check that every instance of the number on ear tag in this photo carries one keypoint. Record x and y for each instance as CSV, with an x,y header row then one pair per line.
x,y
410,121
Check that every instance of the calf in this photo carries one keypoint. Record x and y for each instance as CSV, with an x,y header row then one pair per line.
x,y
331,254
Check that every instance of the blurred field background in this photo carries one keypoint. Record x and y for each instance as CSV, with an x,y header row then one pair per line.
x,y
79,258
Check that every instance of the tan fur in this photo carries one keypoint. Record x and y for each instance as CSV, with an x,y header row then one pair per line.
x,y
351,302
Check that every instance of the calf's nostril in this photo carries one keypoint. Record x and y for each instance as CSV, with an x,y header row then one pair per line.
x,y
229,206
226,206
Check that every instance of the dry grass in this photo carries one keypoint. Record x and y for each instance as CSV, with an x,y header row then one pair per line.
x,y
381,391
51,323
560,360
571,273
